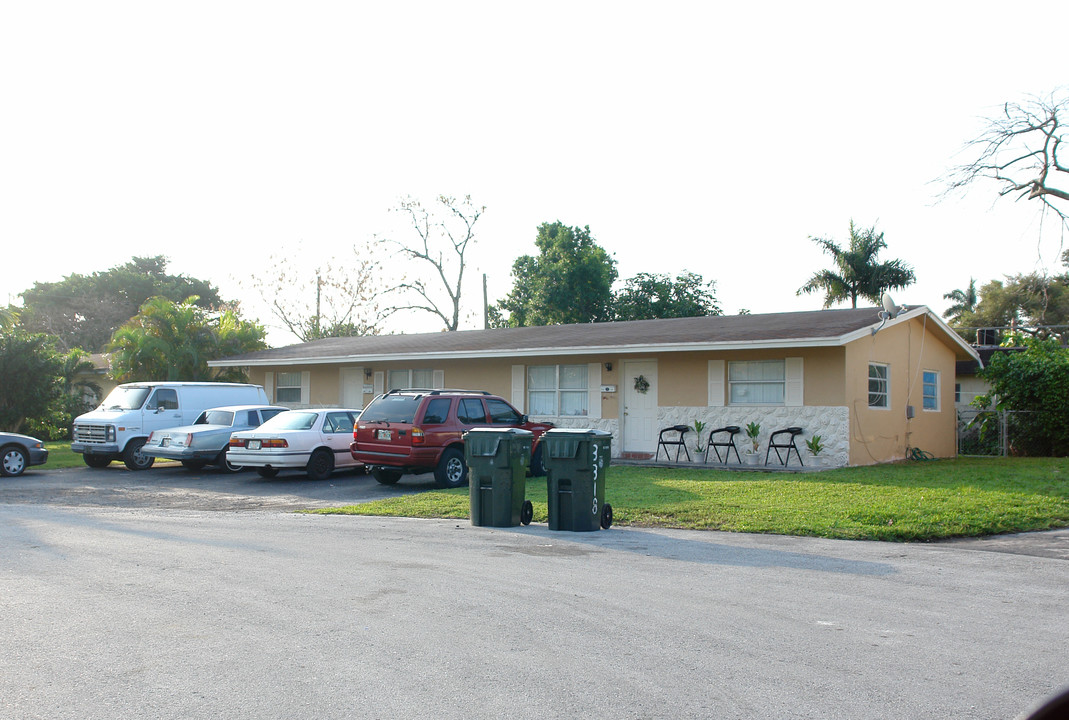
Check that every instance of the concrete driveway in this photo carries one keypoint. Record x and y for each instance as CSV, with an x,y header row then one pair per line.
x,y
129,609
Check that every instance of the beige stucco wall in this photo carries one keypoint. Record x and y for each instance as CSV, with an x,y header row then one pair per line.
x,y
971,387
881,435
682,377
835,390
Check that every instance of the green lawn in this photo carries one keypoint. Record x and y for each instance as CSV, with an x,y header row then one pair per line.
x,y
60,455
904,501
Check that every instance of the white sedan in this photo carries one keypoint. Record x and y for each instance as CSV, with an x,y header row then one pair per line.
x,y
314,440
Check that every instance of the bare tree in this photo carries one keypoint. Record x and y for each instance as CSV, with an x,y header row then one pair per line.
x,y
332,300
1019,151
443,239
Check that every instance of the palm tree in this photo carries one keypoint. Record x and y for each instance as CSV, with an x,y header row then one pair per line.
x,y
964,302
9,316
174,341
857,272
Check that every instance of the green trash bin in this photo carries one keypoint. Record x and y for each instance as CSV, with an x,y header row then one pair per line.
x,y
497,475
577,462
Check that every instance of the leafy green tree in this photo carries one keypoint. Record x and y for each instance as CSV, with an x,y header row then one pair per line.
x,y
1034,385
84,310
858,272
9,316
32,371
1027,301
648,296
964,302
76,396
569,281
174,341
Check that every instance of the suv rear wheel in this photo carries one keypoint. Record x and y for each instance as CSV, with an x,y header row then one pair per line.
x,y
451,471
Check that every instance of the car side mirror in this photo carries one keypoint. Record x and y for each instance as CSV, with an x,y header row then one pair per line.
x,y
523,419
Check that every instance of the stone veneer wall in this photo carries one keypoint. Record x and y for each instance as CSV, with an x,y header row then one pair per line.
x,y
611,425
831,423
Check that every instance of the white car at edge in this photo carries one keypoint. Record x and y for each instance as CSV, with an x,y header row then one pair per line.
x,y
314,440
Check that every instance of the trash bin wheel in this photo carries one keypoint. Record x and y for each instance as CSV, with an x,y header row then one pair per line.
x,y
526,512
606,517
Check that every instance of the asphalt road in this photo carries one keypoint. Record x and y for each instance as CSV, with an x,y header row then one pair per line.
x,y
167,594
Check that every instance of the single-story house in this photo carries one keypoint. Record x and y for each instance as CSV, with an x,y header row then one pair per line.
x,y
872,389
99,376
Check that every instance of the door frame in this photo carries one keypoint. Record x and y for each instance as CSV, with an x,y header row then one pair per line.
x,y
626,387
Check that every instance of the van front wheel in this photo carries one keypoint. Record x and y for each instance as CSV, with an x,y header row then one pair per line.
x,y
133,458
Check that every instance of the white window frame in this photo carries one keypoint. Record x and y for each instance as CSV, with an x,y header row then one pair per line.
x,y
279,387
557,390
886,394
782,382
924,390
409,382
304,388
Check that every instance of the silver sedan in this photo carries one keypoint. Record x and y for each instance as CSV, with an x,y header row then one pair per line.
x,y
206,441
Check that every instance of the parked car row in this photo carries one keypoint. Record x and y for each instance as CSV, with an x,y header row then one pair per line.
x,y
207,440
399,432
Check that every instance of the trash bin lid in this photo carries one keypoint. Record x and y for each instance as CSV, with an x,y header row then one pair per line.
x,y
576,432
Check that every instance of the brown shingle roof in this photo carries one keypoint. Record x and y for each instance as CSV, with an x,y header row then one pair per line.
x,y
814,327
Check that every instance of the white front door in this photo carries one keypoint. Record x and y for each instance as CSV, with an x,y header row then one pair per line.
x,y
352,387
640,408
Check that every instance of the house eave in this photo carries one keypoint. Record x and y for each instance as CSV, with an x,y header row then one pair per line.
x,y
637,349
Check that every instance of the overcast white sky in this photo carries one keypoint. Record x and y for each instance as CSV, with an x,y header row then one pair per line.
x,y
709,137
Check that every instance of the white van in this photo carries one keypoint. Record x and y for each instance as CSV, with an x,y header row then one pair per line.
x,y
118,428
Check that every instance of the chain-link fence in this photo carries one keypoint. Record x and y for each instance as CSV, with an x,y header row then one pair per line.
x,y
992,433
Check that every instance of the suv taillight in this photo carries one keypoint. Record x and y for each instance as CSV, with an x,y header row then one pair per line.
x,y
418,437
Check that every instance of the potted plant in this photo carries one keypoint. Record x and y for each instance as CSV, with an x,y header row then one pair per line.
x,y
816,446
753,431
699,442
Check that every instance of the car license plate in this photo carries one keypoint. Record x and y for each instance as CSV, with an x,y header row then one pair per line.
x,y
253,445
382,434
165,442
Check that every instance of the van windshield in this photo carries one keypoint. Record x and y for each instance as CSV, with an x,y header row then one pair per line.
x,y
391,408
125,398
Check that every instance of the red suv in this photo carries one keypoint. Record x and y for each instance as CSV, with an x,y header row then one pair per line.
x,y
417,431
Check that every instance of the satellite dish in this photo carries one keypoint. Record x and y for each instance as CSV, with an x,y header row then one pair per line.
x,y
890,312
889,306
